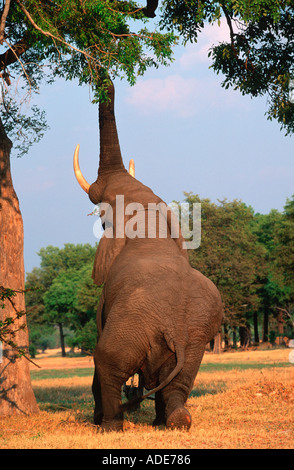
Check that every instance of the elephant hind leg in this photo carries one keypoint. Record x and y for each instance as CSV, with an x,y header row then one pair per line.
x,y
180,418
113,369
176,393
159,410
177,416
110,418
96,390
170,401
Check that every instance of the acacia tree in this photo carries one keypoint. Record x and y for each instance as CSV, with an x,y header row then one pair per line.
x,y
90,40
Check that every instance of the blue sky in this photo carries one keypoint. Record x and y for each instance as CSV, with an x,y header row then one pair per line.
x,y
184,132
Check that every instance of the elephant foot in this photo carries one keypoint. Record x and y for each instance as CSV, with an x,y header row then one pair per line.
x,y
112,425
98,417
180,418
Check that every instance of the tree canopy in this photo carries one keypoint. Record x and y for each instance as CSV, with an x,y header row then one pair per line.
x,y
87,40
92,40
258,59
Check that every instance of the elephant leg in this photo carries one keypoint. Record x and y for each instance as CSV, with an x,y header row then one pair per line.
x,y
111,399
113,369
176,393
96,390
159,410
107,406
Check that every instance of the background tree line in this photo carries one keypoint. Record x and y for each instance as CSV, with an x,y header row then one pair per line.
x,y
249,256
63,298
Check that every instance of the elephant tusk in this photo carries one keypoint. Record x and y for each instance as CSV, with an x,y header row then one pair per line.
x,y
81,180
132,168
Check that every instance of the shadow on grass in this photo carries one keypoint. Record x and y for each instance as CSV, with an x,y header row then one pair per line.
x,y
62,373
146,413
61,398
78,403
211,389
213,367
80,397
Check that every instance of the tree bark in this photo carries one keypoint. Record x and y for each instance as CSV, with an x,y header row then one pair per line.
x,y
10,56
281,322
234,337
265,325
245,336
255,322
226,336
217,343
62,344
16,393
151,6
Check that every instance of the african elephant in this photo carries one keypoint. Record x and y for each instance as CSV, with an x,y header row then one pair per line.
x,y
156,313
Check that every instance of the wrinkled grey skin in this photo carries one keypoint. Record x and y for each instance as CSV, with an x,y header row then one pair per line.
x,y
156,313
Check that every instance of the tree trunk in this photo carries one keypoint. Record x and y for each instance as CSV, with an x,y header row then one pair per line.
x,y
265,325
217,343
226,336
234,337
16,393
255,322
281,322
245,336
62,344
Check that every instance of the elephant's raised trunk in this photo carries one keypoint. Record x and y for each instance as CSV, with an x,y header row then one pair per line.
x,y
110,154
79,176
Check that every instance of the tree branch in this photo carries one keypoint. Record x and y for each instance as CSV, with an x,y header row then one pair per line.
x,y
3,20
46,33
287,313
229,22
12,54
149,10
232,36
151,6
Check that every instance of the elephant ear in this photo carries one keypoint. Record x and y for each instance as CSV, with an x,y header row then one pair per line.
x,y
108,249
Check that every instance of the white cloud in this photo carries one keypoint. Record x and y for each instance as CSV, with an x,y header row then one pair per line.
x,y
185,97
172,93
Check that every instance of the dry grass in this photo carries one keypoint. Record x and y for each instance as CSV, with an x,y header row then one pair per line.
x,y
240,400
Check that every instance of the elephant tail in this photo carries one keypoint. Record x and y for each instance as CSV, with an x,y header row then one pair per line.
x,y
180,357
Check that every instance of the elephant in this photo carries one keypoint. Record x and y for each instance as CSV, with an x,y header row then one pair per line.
x,y
156,313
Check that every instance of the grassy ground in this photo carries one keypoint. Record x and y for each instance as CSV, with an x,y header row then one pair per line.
x,y
240,400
